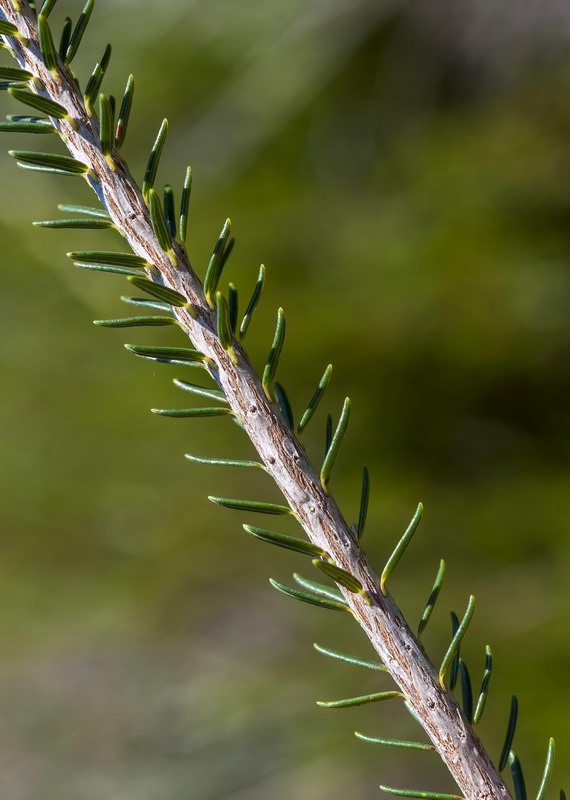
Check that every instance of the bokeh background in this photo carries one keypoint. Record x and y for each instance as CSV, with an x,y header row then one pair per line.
x,y
403,170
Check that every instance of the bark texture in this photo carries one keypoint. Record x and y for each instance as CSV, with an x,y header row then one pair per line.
x,y
278,448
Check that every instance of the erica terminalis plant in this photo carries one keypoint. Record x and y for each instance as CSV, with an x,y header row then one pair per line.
x,y
52,100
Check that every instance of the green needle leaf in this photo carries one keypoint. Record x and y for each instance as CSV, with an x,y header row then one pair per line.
x,y
88,211
168,206
78,31
328,433
273,357
159,291
510,735
106,124
421,795
335,444
434,594
14,74
339,575
309,597
223,462
233,307
485,684
89,224
284,404
124,112
159,221
49,162
154,158
94,83
27,127
518,778
214,411
250,505
394,742
142,301
319,588
548,767
360,662
168,355
223,324
251,306
117,270
466,690
288,542
400,548
184,203
41,104
364,495
108,257
47,47
213,394
456,641
7,29
134,322
359,701
214,271
65,37
454,671
315,399
47,7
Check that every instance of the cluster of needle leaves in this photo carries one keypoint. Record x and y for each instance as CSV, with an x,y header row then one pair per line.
x,y
41,117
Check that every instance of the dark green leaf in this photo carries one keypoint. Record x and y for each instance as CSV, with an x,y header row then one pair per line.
x,y
159,291
246,319
108,257
134,322
88,211
421,795
174,355
273,357
359,701
223,462
288,542
106,123
159,221
466,690
124,112
319,588
183,220
41,104
154,158
364,495
251,505
485,683
27,127
214,271
283,403
94,83
335,444
454,669
548,767
47,47
223,323
168,206
394,742
309,597
214,411
510,734
49,162
434,594
107,268
360,662
78,31
7,29
47,7
518,778
315,399
14,74
233,307
65,37
213,394
401,546
89,223
340,576
143,301
456,641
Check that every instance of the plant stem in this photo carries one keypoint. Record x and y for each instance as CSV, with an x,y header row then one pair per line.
x,y
278,448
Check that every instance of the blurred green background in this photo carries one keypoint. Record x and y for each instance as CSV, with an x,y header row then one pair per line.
x,y
403,170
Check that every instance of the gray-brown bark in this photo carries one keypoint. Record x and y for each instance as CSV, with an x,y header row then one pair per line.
x,y
278,448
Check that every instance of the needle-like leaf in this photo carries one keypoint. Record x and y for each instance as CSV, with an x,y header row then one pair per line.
x,y
273,357
364,495
233,307
518,777
223,325
213,394
156,305
400,548
288,542
454,669
7,28
47,46
94,83
168,207
106,124
168,355
283,402
335,444
14,74
42,104
159,224
251,306
28,126
359,701
124,112
394,742
88,211
78,31
456,641
339,575
134,322
434,594
213,411
466,690
510,734
251,505
49,162
359,662
224,462
315,399
165,293
154,158
319,588
184,204
485,684
548,767
65,37
421,795
89,223
108,257
47,7
216,264
310,597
